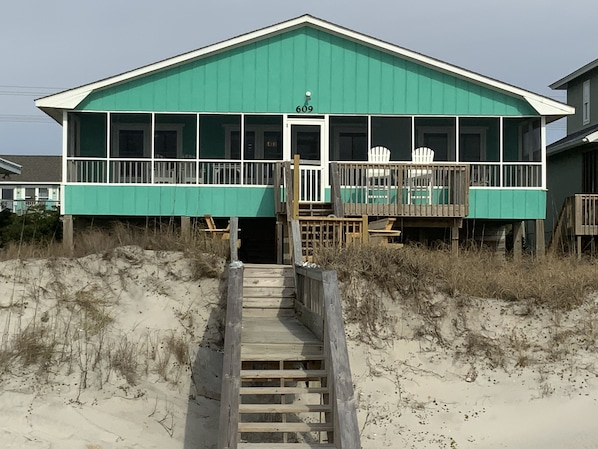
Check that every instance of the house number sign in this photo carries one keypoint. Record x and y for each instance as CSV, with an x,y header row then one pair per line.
x,y
304,109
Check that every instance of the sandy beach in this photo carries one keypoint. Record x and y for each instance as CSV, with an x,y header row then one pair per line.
x,y
480,373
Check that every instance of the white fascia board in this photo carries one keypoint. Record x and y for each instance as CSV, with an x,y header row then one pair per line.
x,y
543,107
591,138
71,98
10,167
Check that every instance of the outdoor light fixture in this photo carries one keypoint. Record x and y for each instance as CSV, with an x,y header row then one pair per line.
x,y
307,95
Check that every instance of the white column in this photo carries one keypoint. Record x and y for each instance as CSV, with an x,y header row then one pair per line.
x,y
543,147
65,145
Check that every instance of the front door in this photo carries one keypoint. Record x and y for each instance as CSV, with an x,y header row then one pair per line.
x,y
307,137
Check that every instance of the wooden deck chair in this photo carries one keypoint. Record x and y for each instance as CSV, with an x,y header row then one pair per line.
x,y
381,232
218,233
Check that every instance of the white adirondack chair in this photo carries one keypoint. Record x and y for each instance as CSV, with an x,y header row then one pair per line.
x,y
419,178
378,178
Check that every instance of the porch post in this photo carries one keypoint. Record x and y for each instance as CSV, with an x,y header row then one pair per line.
x,y
517,240
455,239
67,234
540,239
186,228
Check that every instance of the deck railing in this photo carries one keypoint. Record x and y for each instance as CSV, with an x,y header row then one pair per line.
x,y
21,206
586,214
411,190
171,171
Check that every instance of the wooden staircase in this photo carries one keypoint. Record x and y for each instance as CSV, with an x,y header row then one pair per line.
x,y
283,393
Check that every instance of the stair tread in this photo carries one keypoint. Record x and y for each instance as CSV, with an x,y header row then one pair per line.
x,y
283,408
283,427
282,390
285,445
286,374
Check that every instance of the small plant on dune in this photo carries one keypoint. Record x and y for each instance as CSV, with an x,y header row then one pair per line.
x,y
123,359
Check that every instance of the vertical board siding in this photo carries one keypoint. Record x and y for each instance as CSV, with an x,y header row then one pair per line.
x,y
272,75
517,204
168,201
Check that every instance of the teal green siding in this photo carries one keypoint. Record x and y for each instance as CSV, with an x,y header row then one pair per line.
x,y
169,201
259,201
272,75
517,204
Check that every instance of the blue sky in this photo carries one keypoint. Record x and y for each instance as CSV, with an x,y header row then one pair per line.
x,y
47,46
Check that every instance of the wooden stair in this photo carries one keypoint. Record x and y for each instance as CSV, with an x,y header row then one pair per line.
x,y
315,209
283,395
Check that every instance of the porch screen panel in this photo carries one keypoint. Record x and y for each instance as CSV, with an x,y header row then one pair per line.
x,y
393,133
217,139
522,139
348,138
175,136
87,134
130,136
479,139
437,134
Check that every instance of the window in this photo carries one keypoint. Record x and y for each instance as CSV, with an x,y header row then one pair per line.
x,y
586,102
441,139
350,143
42,194
132,140
262,142
7,197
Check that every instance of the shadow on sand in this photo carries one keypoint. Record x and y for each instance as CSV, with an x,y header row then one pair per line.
x,y
201,425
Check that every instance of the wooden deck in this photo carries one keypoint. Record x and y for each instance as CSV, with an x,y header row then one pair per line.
x,y
578,219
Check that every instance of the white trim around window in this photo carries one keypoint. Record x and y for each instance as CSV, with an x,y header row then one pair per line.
x,y
585,108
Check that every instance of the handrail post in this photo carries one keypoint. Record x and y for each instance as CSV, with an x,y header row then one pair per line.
x,y
296,242
234,239
231,365
347,428
296,186
335,190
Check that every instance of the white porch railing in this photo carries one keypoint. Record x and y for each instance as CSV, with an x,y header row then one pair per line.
x,y
261,173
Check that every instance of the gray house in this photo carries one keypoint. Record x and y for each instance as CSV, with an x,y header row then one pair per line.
x,y
29,180
572,170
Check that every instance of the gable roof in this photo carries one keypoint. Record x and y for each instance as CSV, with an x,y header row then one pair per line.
x,y
35,169
563,82
69,99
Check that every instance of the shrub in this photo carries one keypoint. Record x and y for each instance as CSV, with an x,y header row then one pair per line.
x,y
36,225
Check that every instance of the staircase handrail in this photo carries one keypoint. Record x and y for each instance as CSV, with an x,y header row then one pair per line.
x,y
318,307
231,366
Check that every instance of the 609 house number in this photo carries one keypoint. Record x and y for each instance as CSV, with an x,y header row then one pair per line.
x,y
304,109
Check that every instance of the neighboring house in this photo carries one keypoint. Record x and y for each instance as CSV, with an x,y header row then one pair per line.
x,y
573,164
30,180
204,132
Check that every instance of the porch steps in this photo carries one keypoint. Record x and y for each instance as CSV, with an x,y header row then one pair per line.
x,y
283,394
315,209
